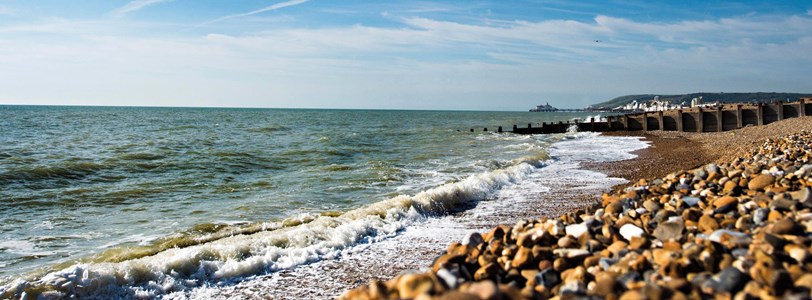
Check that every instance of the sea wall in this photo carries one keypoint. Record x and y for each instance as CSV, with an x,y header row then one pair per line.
x,y
697,119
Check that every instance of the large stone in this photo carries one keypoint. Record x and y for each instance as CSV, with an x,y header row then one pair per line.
x,y
724,201
523,258
729,280
473,239
628,231
760,181
707,223
548,278
484,290
670,230
412,285
576,230
786,226
803,196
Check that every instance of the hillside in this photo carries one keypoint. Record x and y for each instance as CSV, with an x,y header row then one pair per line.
x,y
706,97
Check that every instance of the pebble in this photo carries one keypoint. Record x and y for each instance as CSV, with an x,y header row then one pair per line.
x,y
628,231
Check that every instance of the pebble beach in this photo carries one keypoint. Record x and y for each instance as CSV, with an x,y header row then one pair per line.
x,y
713,215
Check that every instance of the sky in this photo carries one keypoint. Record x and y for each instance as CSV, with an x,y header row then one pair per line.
x,y
454,55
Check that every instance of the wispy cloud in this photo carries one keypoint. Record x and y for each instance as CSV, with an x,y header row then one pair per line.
x,y
253,12
135,5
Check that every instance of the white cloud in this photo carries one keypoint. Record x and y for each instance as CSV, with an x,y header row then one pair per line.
x,y
135,5
254,12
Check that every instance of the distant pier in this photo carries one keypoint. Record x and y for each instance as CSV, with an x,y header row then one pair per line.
x,y
696,119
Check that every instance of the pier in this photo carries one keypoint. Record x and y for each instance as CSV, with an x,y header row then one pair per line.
x,y
696,119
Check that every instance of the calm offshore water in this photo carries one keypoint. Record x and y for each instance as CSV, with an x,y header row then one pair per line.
x,y
137,195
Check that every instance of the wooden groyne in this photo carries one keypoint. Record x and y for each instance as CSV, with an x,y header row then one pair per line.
x,y
697,119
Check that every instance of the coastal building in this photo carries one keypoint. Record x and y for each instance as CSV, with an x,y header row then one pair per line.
x,y
696,101
651,105
544,107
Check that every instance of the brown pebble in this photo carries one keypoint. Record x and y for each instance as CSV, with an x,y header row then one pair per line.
x,y
707,224
760,182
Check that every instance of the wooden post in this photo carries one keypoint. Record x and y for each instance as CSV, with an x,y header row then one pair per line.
x,y
645,121
780,110
592,124
679,120
542,127
739,117
515,127
609,122
802,107
660,119
719,122
701,126
760,113
499,130
529,125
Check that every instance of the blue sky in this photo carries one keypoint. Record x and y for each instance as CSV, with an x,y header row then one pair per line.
x,y
466,55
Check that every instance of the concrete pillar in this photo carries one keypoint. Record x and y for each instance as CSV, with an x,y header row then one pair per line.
x,y
779,108
719,121
609,122
701,126
739,117
679,120
626,122
660,119
802,107
645,121
760,113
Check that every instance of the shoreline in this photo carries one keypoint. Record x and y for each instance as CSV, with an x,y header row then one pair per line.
x,y
662,162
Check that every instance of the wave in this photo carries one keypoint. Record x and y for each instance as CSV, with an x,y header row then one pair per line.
x,y
62,170
212,253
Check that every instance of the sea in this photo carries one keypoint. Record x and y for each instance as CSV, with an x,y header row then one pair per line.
x,y
217,203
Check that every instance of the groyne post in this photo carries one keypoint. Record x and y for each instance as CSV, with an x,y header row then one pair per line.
x,y
660,120
592,124
719,122
679,120
802,107
701,120
760,114
739,117
779,108
645,121
499,129
515,127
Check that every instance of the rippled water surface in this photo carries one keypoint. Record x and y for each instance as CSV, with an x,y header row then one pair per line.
x,y
103,184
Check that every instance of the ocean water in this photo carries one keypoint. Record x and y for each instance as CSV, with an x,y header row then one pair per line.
x,y
147,202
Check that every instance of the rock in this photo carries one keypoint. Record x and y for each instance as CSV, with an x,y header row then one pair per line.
x,y
723,234
707,224
670,230
651,206
629,231
691,201
571,253
576,230
412,285
487,271
729,280
523,258
663,257
618,246
567,242
798,253
760,182
725,201
780,282
605,284
782,204
484,290
447,259
473,238
804,281
760,216
573,288
452,279
803,196
548,278
786,226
